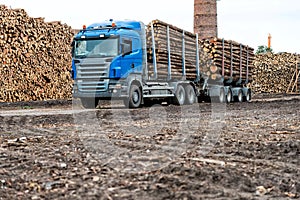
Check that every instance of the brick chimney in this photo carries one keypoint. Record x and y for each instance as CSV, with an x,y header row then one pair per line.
x,y
205,18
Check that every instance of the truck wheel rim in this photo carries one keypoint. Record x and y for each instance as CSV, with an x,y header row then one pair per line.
x,y
135,97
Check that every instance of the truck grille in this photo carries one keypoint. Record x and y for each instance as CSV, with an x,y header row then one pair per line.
x,y
92,74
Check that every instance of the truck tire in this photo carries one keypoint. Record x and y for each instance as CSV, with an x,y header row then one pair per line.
x,y
222,96
247,97
229,96
190,96
179,98
135,97
218,95
239,97
89,103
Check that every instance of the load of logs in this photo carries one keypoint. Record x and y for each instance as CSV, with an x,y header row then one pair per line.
x,y
226,60
232,61
35,58
219,59
177,47
275,73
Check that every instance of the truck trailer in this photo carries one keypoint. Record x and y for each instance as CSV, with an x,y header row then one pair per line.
x,y
141,64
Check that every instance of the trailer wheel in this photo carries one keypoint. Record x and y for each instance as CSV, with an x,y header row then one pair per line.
x,y
179,98
229,96
247,98
190,96
222,97
135,97
218,96
239,97
89,103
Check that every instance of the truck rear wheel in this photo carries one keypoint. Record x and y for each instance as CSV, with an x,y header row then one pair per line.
x,y
247,98
135,97
89,103
239,97
218,95
222,97
179,98
229,96
190,96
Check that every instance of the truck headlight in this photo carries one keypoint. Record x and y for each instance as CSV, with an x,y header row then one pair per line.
x,y
118,86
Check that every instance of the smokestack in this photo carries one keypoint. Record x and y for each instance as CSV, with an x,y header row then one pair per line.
x,y
205,18
269,41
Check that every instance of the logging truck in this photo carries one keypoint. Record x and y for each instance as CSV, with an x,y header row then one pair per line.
x,y
140,64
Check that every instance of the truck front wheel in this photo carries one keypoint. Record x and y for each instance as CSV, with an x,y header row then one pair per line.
x,y
135,97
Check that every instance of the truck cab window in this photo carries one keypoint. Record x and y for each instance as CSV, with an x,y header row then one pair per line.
x,y
126,46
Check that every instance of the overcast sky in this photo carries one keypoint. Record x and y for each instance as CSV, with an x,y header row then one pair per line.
x,y
245,21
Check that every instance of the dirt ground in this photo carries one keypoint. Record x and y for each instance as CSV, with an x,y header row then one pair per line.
x,y
56,150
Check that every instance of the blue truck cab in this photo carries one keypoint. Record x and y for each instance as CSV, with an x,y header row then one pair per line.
x,y
106,58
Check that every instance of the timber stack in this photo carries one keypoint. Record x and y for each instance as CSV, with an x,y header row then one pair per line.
x,y
219,59
231,60
34,58
275,73
177,48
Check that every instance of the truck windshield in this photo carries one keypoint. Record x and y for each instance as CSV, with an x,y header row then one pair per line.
x,y
103,47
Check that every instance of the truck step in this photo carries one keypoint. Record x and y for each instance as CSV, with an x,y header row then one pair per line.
x,y
158,95
158,88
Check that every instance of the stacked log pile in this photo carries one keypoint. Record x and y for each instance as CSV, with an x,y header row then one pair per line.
x,y
176,50
34,58
273,73
234,58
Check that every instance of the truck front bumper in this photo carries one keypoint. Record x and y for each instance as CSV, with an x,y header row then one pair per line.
x,y
113,92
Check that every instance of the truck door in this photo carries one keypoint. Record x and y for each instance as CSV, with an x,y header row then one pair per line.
x,y
131,61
